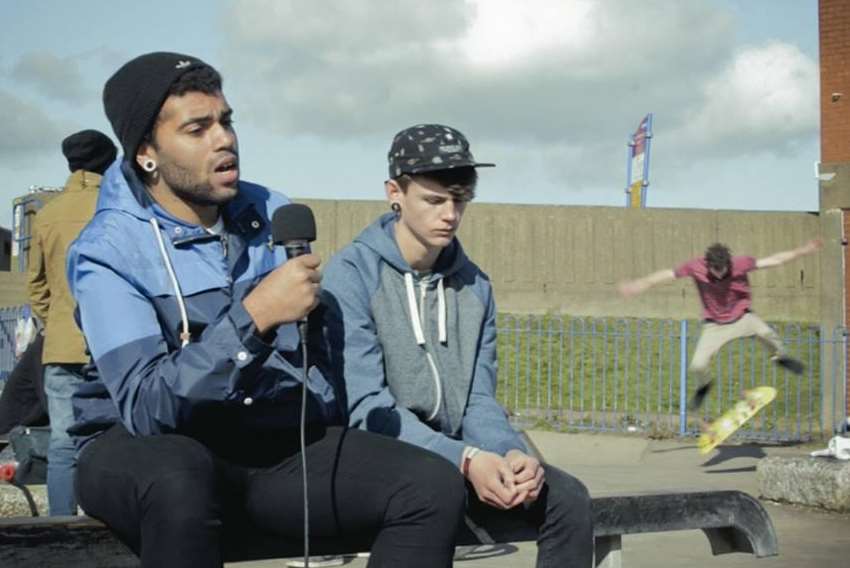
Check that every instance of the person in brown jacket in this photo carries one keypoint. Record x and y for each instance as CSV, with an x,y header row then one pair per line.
x,y
57,224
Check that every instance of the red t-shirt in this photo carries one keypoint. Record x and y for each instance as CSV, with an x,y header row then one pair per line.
x,y
726,300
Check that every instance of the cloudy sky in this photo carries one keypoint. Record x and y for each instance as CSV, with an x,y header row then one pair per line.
x,y
548,89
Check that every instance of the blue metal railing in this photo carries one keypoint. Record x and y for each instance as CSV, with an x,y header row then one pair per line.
x,y
607,374
617,374
8,320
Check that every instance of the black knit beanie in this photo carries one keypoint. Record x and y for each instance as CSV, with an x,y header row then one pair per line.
x,y
89,150
133,96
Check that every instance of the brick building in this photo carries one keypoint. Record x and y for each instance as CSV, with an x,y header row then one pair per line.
x,y
834,31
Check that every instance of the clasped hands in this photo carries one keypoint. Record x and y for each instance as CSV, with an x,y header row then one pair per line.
x,y
505,482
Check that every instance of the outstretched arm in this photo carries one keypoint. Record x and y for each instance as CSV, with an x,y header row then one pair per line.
x,y
780,258
632,288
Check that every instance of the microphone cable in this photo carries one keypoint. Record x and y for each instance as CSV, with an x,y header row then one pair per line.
x,y
302,332
294,226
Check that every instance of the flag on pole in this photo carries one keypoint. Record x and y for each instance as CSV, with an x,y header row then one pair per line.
x,y
637,165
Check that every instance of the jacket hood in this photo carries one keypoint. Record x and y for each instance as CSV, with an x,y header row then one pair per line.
x,y
380,237
122,190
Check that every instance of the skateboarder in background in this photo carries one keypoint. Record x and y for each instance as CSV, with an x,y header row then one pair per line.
x,y
724,289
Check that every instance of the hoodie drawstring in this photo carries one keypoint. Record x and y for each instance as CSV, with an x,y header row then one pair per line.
x,y
441,311
181,304
416,321
414,311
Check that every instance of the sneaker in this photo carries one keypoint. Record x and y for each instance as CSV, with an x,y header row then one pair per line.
x,y
462,552
699,397
791,364
318,561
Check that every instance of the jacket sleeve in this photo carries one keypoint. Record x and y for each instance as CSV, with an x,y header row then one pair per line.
x,y
37,288
357,358
485,422
155,387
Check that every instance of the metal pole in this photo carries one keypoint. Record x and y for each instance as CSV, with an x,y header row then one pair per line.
x,y
683,377
629,146
644,188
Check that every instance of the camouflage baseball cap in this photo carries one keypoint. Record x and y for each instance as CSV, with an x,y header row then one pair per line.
x,y
427,148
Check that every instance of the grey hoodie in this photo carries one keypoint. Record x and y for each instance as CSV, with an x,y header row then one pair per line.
x,y
417,352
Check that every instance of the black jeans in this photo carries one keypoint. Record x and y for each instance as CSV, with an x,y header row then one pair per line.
x,y
173,501
561,515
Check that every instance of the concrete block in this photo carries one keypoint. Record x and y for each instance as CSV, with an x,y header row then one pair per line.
x,y
13,502
816,482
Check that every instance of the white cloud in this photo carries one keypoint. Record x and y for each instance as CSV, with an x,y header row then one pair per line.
x,y
27,131
765,99
563,80
564,64
507,33
339,32
53,77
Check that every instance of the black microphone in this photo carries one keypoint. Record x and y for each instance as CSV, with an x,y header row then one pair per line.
x,y
294,227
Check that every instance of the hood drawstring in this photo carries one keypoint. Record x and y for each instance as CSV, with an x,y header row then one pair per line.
x,y
441,309
415,320
181,304
414,311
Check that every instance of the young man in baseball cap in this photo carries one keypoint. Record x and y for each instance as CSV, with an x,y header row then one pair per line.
x,y
412,326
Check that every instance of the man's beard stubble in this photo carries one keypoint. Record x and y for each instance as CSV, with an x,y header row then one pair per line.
x,y
188,187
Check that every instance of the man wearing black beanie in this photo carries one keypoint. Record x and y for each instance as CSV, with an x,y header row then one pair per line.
x,y
189,430
89,153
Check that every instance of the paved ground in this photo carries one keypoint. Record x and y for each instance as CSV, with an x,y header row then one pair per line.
x,y
617,464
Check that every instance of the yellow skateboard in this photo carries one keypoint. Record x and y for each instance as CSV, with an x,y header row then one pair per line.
x,y
753,401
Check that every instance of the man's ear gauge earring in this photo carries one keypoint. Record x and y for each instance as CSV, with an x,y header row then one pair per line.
x,y
149,165
395,207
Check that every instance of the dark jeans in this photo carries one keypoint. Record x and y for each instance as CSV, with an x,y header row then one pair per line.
x,y
172,500
561,514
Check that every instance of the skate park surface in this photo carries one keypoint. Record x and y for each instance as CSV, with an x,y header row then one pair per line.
x,y
615,464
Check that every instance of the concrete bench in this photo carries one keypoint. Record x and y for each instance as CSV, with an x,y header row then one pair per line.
x,y
803,480
732,520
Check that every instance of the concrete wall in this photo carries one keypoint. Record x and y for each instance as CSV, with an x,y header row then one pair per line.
x,y
13,289
570,259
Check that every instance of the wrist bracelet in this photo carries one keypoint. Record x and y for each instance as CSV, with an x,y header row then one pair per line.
x,y
468,453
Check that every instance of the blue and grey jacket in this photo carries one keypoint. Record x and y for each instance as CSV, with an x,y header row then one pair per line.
x,y
417,352
144,282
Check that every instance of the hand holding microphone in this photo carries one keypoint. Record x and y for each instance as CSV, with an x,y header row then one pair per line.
x,y
291,291
287,295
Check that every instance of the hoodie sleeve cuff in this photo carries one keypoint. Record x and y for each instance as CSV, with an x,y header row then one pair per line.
x,y
513,443
451,449
501,443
